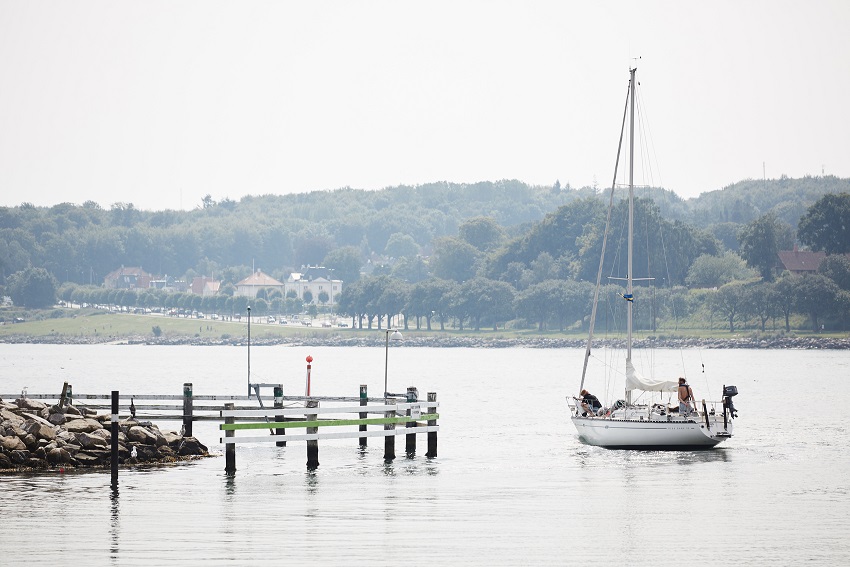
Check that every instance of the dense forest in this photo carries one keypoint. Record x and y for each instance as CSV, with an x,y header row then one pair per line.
x,y
448,243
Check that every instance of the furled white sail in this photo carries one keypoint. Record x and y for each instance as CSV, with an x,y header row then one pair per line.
x,y
635,381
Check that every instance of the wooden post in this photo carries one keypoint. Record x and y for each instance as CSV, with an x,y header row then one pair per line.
x,y
364,400
432,435
389,440
278,403
229,448
187,409
64,394
410,441
312,445
114,440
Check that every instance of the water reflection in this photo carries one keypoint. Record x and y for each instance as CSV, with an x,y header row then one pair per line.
x,y
311,481
229,486
114,523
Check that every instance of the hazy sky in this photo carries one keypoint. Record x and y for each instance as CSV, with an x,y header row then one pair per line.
x,y
160,103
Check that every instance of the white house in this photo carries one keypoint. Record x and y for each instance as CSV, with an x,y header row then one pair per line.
x,y
315,283
256,281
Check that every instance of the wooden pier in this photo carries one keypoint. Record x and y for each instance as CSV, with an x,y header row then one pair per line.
x,y
289,419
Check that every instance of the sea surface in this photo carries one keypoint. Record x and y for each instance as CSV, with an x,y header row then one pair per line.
x,y
512,484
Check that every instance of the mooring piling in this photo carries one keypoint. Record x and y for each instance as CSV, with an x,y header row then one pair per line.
x,y
187,409
413,412
114,439
432,435
230,448
312,444
389,440
64,395
278,404
364,400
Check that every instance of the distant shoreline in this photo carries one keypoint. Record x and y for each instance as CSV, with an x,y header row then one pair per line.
x,y
453,341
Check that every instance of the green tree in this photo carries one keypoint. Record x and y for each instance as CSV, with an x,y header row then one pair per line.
x,y
482,299
728,302
815,295
454,259
784,287
34,288
826,224
345,262
394,300
761,300
761,240
535,302
483,233
715,271
427,299
837,268
401,245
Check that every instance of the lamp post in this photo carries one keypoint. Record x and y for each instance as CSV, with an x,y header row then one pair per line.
x,y
396,336
249,350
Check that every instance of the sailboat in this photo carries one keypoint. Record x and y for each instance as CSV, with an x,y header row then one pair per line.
x,y
642,420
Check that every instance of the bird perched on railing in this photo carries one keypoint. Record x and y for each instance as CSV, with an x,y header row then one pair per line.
x,y
132,408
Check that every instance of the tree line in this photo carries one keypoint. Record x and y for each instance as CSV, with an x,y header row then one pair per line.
x,y
485,273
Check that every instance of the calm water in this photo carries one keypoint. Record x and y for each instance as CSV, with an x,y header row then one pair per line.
x,y
511,486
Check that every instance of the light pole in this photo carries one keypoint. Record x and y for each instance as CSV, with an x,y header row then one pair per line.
x,y
249,350
396,336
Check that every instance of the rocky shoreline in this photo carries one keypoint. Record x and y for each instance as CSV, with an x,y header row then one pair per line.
x,y
440,340
35,436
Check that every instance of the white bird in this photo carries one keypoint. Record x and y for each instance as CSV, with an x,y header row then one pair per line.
x,y
134,453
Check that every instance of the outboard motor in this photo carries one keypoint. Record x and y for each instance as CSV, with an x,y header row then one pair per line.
x,y
728,393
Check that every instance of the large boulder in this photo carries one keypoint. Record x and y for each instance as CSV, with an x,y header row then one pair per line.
x,y
19,457
172,438
5,461
30,441
40,430
57,418
31,405
12,443
7,415
141,435
36,418
82,425
36,463
71,410
191,446
104,434
146,453
58,456
91,441
85,459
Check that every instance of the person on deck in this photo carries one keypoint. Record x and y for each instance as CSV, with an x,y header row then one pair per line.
x,y
590,404
686,397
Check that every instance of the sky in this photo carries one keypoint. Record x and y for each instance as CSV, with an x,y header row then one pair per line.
x,y
160,103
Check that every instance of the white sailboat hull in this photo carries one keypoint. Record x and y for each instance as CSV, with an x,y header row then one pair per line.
x,y
635,434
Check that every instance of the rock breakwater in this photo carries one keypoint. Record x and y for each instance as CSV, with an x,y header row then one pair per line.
x,y
36,436
412,338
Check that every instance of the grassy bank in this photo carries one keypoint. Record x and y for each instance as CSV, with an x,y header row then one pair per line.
x,y
93,325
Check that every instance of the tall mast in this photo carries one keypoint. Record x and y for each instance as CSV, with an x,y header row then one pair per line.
x,y
631,214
